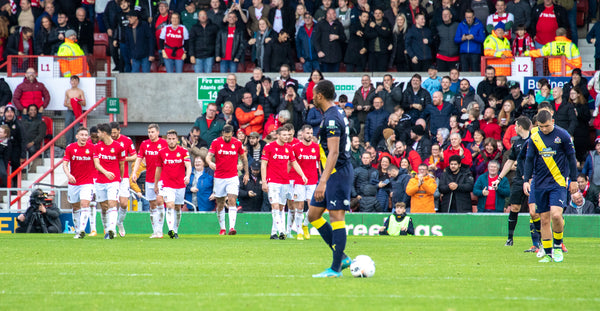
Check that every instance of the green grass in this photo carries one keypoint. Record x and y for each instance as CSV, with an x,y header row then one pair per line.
x,y
250,272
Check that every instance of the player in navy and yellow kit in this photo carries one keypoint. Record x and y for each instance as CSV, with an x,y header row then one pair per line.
x,y
550,160
333,189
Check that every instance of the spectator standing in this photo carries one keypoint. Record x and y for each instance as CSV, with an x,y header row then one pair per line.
x,y
216,14
447,94
173,42
42,44
456,184
363,98
50,11
470,35
282,18
279,52
20,43
522,42
160,21
486,154
85,31
433,83
399,56
230,45
488,86
497,45
403,152
30,91
26,14
564,113
501,16
199,189
74,101
379,35
58,36
362,189
140,42
591,168
192,142
343,14
256,12
328,40
293,103
491,199
268,98
411,10
585,188
418,44
415,98
447,56
305,49
5,95
231,91
209,124
561,46
72,66
250,193
261,43
307,93
576,81
17,152
421,189
285,79
521,11
546,18
592,37
359,7
118,30
392,11
481,9
581,134
189,16
321,12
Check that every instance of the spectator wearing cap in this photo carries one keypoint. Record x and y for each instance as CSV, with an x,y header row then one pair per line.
x,y
516,96
591,168
328,40
85,31
353,123
418,42
447,56
140,42
438,115
203,36
497,45
415,98
20,43
470,35
17,154
250,115
189,16
29,92
254,147
251,194
232,36
420,142
305,49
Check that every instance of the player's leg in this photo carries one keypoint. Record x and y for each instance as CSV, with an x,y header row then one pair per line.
x,y
170,217
273,195
76,213
282,200
112,213
546,233
513,217
179,201
123,202
232,207
556,214
160,213
85,197
535,228
151,196
338,237
220,191
103,217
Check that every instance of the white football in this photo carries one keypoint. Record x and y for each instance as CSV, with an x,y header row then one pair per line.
x,y
362,267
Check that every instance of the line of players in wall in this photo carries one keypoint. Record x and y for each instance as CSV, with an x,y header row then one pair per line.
x,y
289,168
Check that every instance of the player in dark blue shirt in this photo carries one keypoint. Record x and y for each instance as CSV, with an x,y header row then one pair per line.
x,y
517,196
550,160
333,189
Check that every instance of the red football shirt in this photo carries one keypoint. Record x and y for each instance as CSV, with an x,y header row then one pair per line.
x,y
226,156
127,144
149,151
81,162
110,156
173,166
308,158
229,44
278,157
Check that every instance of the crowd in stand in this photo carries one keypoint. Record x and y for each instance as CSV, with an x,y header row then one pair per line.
x,y
374,35
432,148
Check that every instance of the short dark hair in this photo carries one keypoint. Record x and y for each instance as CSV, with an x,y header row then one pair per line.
x,y
418,76
544,116
114,125
306,127
194,128
523,122
490,68
154,126
455,158
469,11
104,127
26,29
325,88
343,98
94,130
227,129
288,127
583,176
546,105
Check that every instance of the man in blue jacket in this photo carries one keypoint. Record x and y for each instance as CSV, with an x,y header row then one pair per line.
x,y
491,199
304,47
470,36
374,119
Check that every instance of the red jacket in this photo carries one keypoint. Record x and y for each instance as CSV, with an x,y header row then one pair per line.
x,y
491,129
467,158
28,93
413,158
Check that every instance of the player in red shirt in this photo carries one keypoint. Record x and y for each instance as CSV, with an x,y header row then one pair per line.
x,y
149,151
78,164
308,156
276,158
93,140
227,150
109,159
170,182
130,156
292,141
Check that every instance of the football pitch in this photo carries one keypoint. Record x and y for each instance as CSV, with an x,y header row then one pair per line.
x,y
251,272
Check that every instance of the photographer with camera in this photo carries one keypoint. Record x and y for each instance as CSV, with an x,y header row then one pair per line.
x,y
42,216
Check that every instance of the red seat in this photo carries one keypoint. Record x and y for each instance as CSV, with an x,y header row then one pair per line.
x,y
100,45
49,129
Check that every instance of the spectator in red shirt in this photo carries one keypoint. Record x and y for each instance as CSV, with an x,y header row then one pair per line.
x,y
489,124
456,148
230,45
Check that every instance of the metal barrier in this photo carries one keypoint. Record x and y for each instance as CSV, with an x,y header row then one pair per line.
x,y
58,66
134,196
53,191
546,60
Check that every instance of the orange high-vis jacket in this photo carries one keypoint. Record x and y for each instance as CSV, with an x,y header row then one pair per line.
x,y
496,47
561,46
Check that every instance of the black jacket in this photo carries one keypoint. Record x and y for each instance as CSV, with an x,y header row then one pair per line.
x,y
203,40
355,44
423,147
16,139
559,12
361,185
247,203
43,43
278,53
51,219
382,31
34,130
288,18
565,117
239,44
110,15
486,88
226,94
85,35
462,194
271,103
53,37
5,93
320,39
421,97
143,46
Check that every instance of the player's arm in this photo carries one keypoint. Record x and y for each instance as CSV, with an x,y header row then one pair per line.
x,y
188,172
157,174
333,144
101,169
211,164
263,173
131,158
136,167
245,164
122,168
298,170
67,170
573,187
528,164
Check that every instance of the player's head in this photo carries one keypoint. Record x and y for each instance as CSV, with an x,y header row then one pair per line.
x,y
94,134
153,131
82,135
172,139
307,133
545,122
103,131
115,130
290,128
227,133
400,208
522,124
454,163
324,94
283,134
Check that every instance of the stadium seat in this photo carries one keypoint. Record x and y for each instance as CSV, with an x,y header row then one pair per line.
x,y
49,129
100,44
298,67
582,12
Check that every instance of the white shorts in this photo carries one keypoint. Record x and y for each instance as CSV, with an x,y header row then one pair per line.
x,y
290,192
224,186
124,188
303,192
107,192
81,192
176,195
150,195
278,193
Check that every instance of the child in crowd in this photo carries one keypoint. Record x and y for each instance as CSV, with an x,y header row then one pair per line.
x,y
523,42
398,223
433,83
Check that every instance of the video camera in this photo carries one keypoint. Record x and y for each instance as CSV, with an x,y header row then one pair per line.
x,y
39,197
